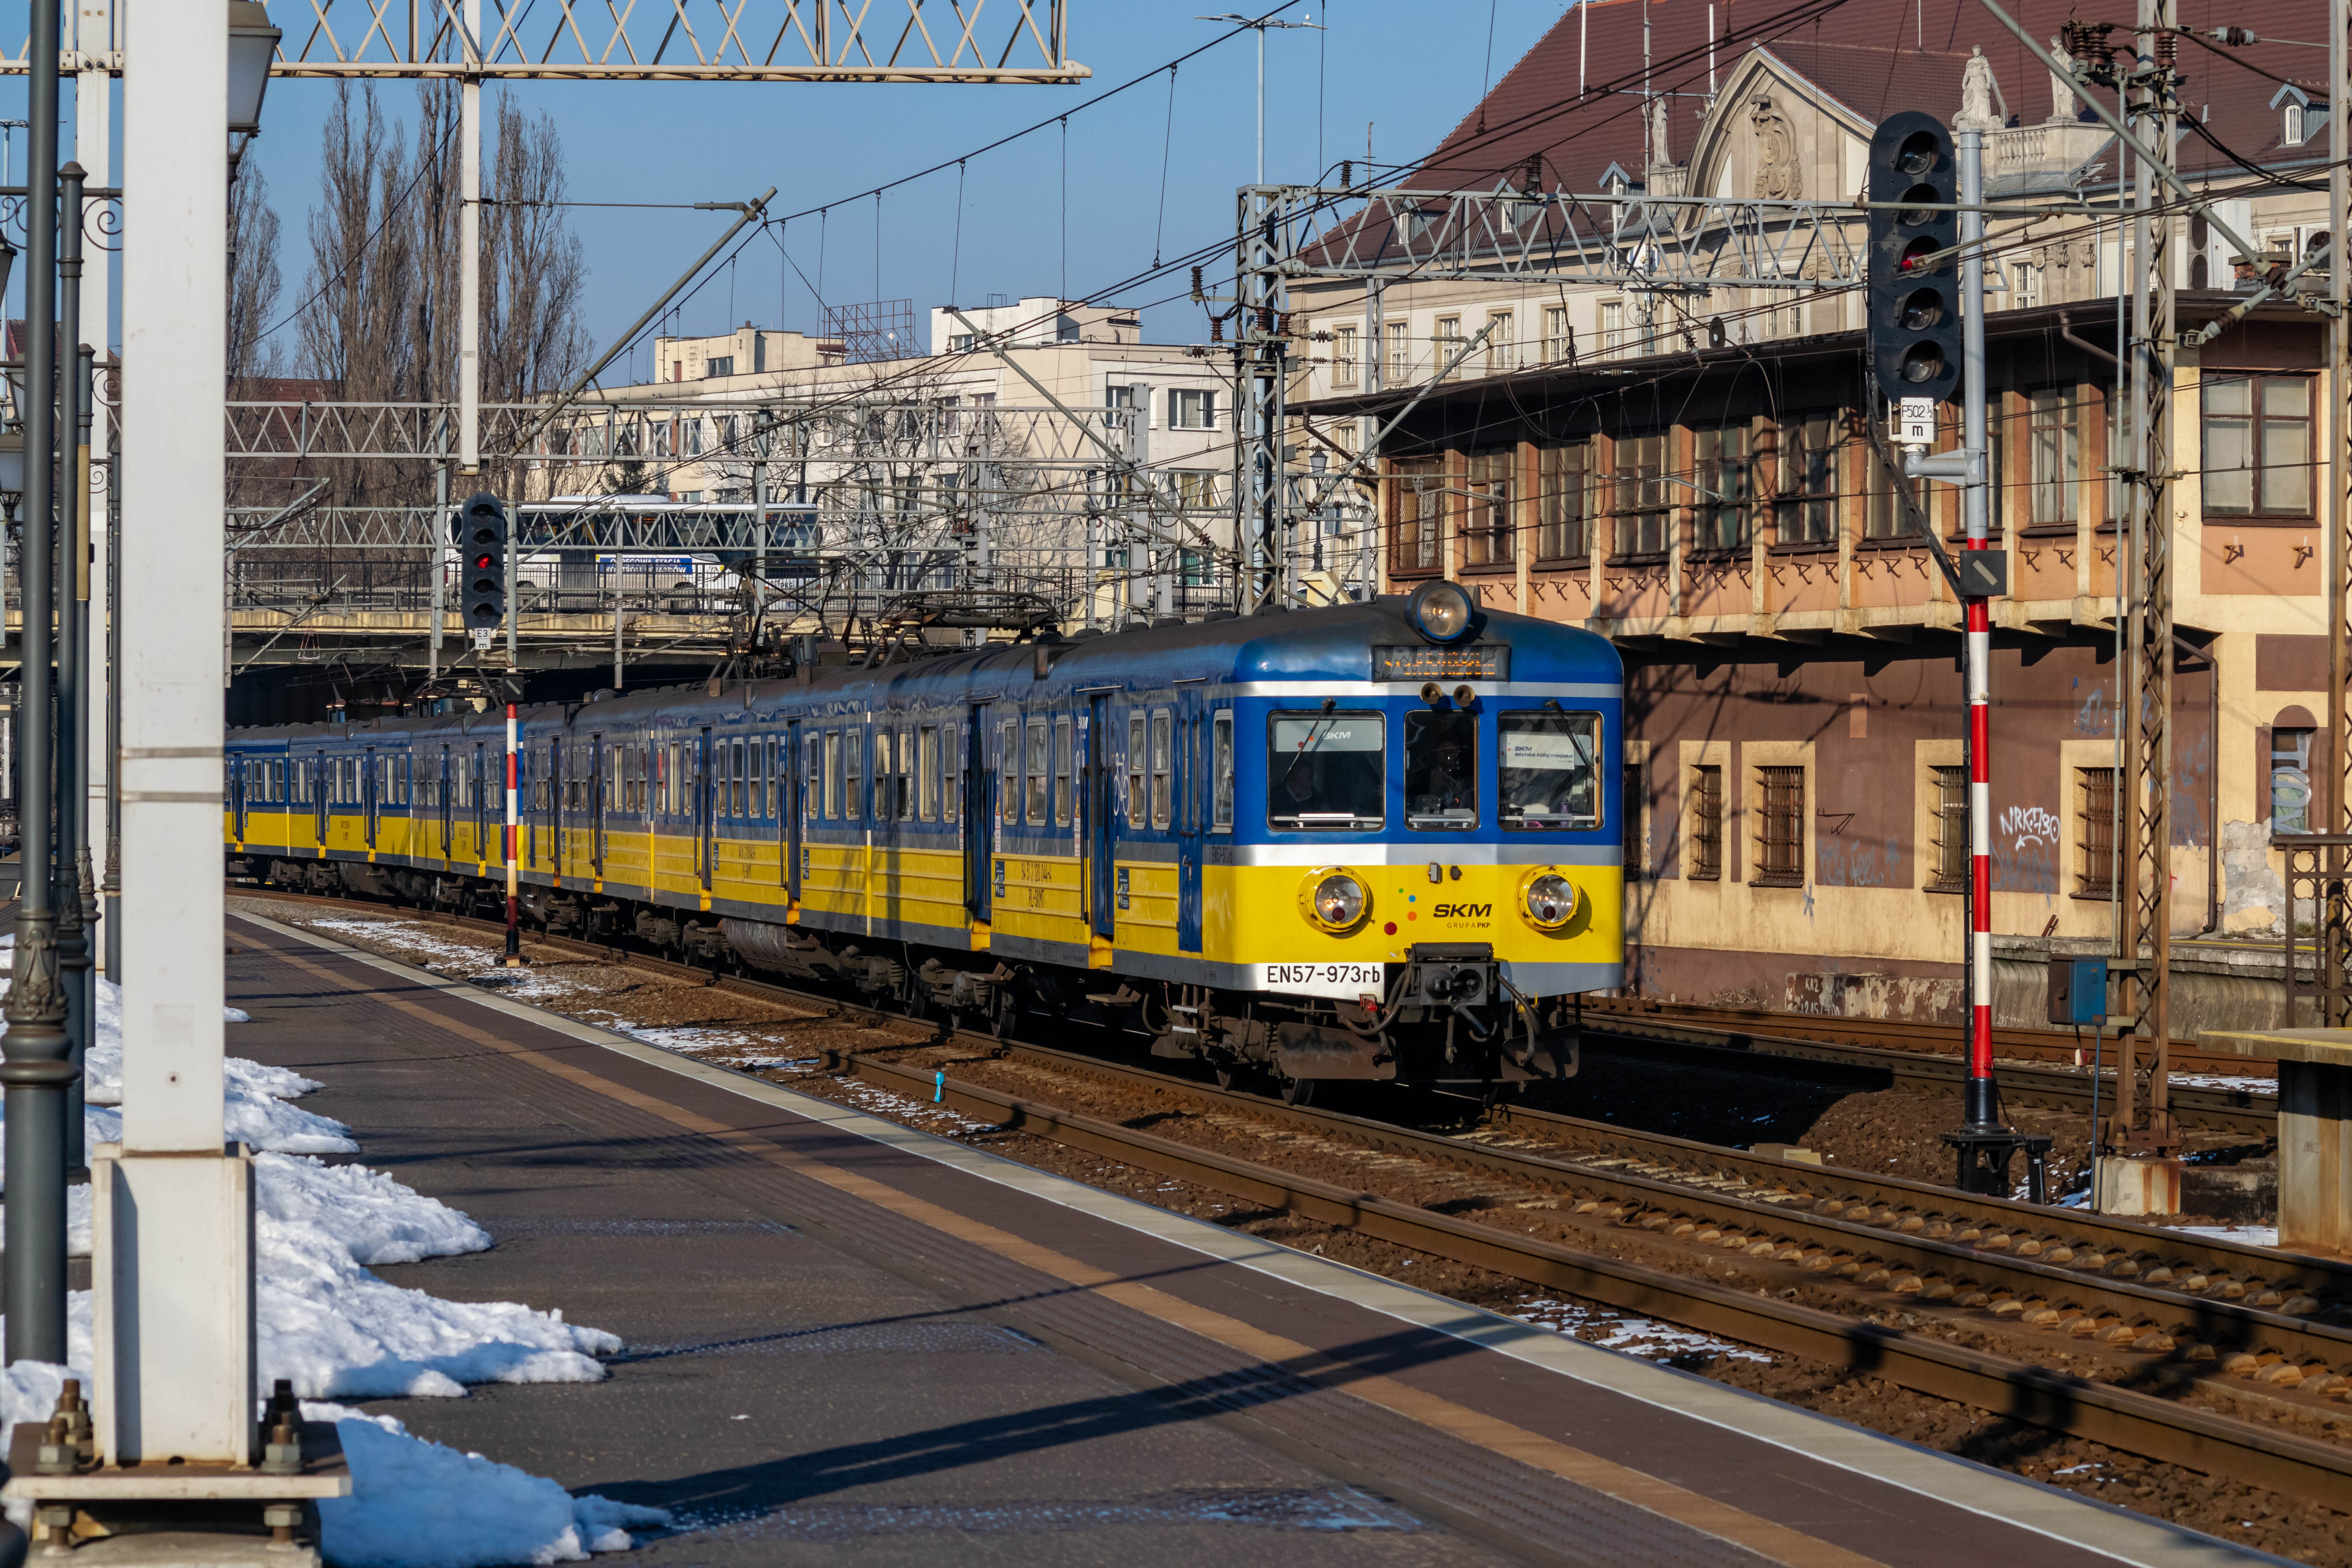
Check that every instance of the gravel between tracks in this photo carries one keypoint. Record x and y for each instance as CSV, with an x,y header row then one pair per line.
x,y
1887,1132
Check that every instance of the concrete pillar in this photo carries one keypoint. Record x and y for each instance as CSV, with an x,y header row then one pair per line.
x,y
173,1273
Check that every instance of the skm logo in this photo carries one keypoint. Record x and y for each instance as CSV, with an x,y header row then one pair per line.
x,y
1463,911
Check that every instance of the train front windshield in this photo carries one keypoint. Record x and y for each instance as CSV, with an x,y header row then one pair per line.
x,y
1326,771
1547,775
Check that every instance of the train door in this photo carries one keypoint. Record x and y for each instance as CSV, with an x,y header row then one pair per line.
x,y
1189,808
236,793
369,800
1096,738
596,788
979,826
706,824
791,806
319,802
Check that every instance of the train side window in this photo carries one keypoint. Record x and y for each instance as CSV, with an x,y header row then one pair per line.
x,y
1137,757
950,770
1221,770
853,773
903,807
927,766
881,775
832,775
1035,815
1008,767
1062,775
1549,770
1163,764
813,794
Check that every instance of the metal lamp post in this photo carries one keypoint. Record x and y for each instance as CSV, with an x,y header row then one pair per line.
x,y
33,1068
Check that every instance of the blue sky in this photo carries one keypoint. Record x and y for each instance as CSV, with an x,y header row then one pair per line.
x,y
1411,67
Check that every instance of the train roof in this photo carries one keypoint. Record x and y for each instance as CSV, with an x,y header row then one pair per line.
x,y
1332,645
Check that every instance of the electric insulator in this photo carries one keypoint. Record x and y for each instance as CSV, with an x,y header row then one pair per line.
x,y
1346,173
1216,329
1197,294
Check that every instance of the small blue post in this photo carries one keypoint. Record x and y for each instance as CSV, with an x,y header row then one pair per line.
x,y
939,1086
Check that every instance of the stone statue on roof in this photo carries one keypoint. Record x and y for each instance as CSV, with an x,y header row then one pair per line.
x,y
1977,93
2063,106
1660,156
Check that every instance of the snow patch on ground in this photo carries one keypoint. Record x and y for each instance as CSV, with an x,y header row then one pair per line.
x,y
1616,1331
330,1326
415,1504
2243,1235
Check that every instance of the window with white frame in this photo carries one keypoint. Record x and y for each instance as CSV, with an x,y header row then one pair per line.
x,y
1400,352
1343,356
1557,346
1191,408
1499,345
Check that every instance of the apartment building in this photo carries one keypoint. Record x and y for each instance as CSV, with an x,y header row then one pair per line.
x,y
1694,475
1042,437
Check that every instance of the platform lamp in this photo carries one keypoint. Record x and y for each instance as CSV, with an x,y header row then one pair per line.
x,y
252,45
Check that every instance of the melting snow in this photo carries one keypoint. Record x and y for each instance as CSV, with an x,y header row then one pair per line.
x,y
1635,1336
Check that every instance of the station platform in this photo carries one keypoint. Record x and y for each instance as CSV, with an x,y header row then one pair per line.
x,y
854,1343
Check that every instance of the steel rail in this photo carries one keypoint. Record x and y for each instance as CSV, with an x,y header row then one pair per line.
x,y
2042,1239
1893,1034
2126,1419
2134,1422
2021,1084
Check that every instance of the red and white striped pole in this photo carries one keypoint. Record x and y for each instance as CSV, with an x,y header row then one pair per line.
x,y
514,872
1982,1115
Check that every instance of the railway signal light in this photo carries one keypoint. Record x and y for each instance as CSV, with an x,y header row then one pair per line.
x,y
482,529
1914,272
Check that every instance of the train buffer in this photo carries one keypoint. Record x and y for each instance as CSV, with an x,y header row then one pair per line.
x,y
849,1339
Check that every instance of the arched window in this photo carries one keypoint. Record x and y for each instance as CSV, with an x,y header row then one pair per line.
x,y
2292,135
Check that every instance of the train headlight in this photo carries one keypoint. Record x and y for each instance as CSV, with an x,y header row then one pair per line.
x,y
1443,612
1547,900
1334,899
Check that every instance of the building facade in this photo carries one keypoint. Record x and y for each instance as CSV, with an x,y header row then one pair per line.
x,y
1701,475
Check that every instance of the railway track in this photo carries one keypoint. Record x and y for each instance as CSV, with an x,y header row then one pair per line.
x,y
2009,1042
2043,1085
2168,1314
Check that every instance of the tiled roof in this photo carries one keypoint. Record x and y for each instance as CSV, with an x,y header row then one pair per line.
x,y
1574,99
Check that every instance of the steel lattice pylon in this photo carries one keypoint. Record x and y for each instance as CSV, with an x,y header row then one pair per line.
x,y
677,40
2142,1114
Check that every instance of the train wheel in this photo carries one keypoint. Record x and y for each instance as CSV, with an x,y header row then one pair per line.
x,y
1299,1090
1224,1073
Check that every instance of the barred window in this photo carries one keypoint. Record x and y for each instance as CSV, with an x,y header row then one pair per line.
x,y
1951,872
2096,823
1780,827
1707,824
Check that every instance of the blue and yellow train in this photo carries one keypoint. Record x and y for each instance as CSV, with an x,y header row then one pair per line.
x,y
1373,841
